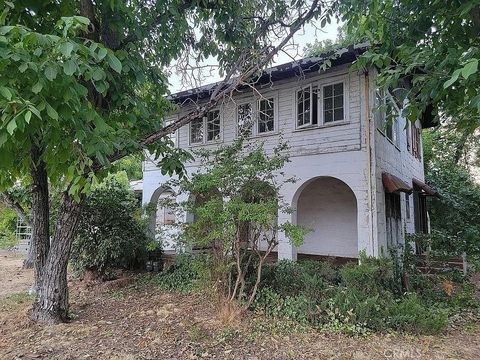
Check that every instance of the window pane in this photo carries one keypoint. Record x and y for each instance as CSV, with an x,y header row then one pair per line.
x,y
328,91
338,89
333,103
328,116
338,114
303,107
266,115
338,101
328,104
245,119
196,131
213,125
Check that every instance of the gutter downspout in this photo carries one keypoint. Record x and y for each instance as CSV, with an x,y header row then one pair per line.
x,y
369,160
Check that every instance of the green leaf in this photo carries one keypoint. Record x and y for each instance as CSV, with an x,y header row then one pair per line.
x,y
51,72
51,112
454,78
102,52
37,87
12,125
470,68
98,74
114,63
22,68
66,48
69,67
5,93
28,116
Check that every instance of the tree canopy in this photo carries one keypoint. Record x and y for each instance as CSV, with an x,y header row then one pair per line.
x,y
435,44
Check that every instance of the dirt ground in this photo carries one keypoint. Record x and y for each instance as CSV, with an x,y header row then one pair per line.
x,y
126,320
12,278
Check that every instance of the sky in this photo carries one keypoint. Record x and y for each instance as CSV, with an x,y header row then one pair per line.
x,y
293,51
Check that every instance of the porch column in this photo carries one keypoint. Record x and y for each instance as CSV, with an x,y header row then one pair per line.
x,y
285,248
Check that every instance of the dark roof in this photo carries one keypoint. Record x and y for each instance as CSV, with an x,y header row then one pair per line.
x,y
284,71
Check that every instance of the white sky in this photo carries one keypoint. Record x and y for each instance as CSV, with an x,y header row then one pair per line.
x,y
295,50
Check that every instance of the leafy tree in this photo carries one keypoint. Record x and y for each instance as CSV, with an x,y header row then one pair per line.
x,y
235,200
132,165
454,217
82,85
7,227
433,44
344,39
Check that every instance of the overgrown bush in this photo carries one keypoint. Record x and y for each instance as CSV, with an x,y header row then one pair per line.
x,y
111,232
360,298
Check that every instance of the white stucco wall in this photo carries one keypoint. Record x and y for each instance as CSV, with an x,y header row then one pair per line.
x,y
397,160
338,150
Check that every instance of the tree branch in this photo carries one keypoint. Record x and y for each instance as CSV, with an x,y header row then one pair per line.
x,y
14,205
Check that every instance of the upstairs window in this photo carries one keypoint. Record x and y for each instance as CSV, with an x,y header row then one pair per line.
x,y
386,116
333,105
304,106
213,125
266,121
196,131
256,118
416,142
245,119
309,113
205,129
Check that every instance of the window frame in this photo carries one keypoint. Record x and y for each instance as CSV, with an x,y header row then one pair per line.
x,y
320,121
321,108
395,126
303,88
257,115
205,140
255,104
237,127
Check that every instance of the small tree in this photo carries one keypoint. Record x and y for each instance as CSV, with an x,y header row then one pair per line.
x,y
235,201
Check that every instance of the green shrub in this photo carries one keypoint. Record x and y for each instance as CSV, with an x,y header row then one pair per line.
x,y
272,304
411,315
308,278
111,233
360,298
188,273
8,221
371,275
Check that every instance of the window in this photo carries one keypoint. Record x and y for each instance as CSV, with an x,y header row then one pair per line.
x,y
265,116
333,108
393,219
256,118
165,214
245,119
386,116
332,100
213,125
196,131
205,129
416,142
407,205
304,104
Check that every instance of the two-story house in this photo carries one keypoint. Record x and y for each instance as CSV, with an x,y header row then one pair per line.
x,y
358,162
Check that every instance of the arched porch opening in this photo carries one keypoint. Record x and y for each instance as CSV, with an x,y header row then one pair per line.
x,y
328,207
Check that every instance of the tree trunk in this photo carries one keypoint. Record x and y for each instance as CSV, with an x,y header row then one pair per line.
x,y
40,241
51,304
29,261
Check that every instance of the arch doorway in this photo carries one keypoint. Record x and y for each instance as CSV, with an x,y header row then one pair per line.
x,y
328,207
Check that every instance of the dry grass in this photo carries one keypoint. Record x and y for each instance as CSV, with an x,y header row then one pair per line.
x,y
132,321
